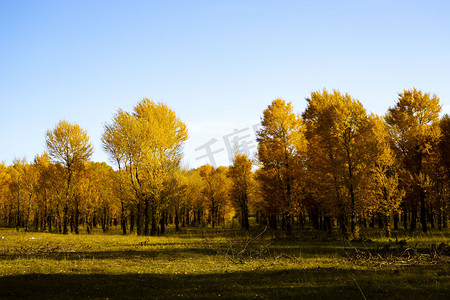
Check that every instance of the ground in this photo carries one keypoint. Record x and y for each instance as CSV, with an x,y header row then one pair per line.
x,y
224,262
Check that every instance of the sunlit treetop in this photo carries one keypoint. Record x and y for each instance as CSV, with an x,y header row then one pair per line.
x,y
414,121
68,144
414,109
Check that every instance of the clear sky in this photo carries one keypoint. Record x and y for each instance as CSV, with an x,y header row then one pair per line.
x,y
218,64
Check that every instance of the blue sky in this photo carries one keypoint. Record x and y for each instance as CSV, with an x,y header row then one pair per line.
x,y
218,64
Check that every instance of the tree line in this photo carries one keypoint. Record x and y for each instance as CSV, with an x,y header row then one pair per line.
x,y
334,166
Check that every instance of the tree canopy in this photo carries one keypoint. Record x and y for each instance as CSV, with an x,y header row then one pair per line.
x,y
334,167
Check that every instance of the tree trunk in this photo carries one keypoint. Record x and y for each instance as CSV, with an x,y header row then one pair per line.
x,y
328,223
380,220
413,215
186,220
199,215
273,221
396,217
146,217
343,224
439,217
123,220
177,221
301,219
49,223
431,216
353,228
76,217
213,213
244,213
154,230
18,205
162,222
131,222
65,213
405,217
388,224
138,219
28,213
423,214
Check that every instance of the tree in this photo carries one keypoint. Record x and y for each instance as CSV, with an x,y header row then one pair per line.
x,y
240,173
147,144
113,141
215,191
174,192
96,196
444,144
194,204
441,173
68,144
6,205
47,182
18,172
281,151
415,131
339,152
28,183
384,184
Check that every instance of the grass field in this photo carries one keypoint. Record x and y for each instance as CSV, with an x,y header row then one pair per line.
x,y
223,263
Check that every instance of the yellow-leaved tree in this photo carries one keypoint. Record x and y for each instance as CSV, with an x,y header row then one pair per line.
x,y
281,152
147,145
68,144
414,128
18,173
6,205
193,205
215,192
384,184
443,186
338,154
241,175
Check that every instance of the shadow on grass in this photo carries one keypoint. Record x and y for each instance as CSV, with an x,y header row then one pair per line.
x,y
412,283
165,251
122,254
272,248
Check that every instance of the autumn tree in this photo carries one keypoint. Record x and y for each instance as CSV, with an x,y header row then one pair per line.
x,y
29,184
45,196
175,195
56,175
147,143
281,149
96,196
444,144
415,131
68,144
6,205
215,191
440,174
114,141
193,205
240,173
436,187
383,182
18,172
339,153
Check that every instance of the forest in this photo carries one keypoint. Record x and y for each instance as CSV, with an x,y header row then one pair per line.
x,y
333,167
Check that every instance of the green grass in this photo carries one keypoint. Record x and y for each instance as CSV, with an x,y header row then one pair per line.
x,y
205,263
